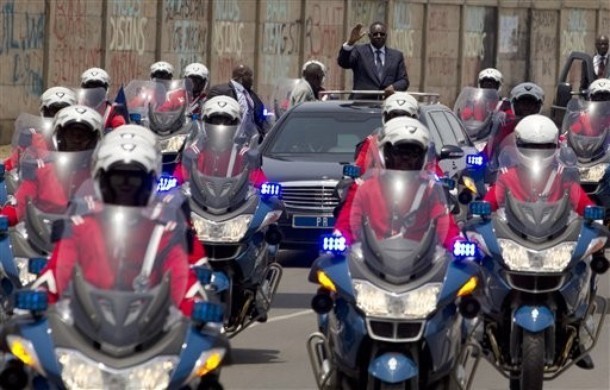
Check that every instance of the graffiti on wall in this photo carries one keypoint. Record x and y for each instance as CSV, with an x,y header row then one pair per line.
x,y
474,33
187,30
127,26
280,39
403,32
509,34
575,33
21,44
228,43
544,42
323,37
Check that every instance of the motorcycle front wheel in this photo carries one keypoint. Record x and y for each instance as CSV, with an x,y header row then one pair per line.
x,y
532,362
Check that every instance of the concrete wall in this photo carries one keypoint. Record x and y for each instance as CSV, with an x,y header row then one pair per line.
x,y
446,42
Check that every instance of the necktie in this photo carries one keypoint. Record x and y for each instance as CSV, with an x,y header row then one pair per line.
x,y
601,68
378,63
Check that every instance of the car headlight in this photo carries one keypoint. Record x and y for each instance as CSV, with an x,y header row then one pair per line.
x,y
227,231
592,174
207,362
520,258
80,372
173,144
415,304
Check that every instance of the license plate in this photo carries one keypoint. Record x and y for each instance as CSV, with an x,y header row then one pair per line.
x,y
312,222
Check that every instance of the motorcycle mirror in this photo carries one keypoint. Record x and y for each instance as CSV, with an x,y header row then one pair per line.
x,y
451,152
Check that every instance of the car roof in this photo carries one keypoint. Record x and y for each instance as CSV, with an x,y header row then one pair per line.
x,y
337,106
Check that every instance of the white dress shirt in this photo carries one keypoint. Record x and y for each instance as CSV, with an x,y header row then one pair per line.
x,y
597,59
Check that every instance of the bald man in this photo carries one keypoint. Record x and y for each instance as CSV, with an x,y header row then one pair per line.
x,y
240,89
600,59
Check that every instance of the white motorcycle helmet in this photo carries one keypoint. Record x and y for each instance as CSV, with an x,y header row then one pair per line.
x,y
54,99
199,76
403,144
95,77
599,90
222,110
399,104
76,128
133,133
161,70
490,78
537,141
125,172
526,99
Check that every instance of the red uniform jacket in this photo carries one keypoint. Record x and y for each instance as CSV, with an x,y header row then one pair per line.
x,y
509,180
365,201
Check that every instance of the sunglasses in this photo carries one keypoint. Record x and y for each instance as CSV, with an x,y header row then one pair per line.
x,y
378,34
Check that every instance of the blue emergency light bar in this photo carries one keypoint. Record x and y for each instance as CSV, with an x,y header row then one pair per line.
x,y
595,213
31,300
204,275
2,169
166,183
352,171
475,160
332,243
480,208
271,189
135,117
36,265
207,312
463,249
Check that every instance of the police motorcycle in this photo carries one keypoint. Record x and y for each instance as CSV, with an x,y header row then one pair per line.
x,y
32,239
236,222
162,106
390,305
586,126
540,313
119,328
475,108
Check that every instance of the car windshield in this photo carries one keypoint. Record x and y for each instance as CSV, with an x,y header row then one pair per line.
x,y
326,136
446,130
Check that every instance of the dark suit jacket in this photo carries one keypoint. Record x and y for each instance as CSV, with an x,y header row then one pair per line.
x,y
259,108
361,60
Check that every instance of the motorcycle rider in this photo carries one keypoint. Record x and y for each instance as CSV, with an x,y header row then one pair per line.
x,y
218,149
198,74
526,99
113,114
403,145
51,101
124,174
76,129
536,141
599,91
489,78
162,70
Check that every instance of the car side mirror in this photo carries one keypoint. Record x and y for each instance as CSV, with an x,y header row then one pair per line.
x,y
451,152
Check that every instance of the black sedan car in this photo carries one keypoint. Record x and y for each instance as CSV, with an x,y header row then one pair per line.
x,y
309,145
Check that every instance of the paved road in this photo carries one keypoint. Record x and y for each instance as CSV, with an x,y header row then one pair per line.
x,y
273,355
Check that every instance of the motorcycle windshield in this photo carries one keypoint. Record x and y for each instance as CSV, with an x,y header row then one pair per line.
x,y
31,132
399,217
217,167
475,108
139,93
537,189
587,124
94,98
281,95
128,266
167,111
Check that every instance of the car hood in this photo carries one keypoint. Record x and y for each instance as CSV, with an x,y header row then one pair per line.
x,y
283,170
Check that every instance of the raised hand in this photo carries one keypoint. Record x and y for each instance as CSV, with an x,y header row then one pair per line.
x,y
356,35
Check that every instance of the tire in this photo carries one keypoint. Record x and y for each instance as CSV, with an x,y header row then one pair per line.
x,y
532,362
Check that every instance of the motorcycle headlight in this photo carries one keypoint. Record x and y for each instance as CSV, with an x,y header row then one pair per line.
x,y
173,144
415,304
79,372
208,362
592,174
520,258
227,231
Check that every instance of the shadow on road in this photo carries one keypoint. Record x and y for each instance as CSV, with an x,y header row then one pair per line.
x,y
292,300
297,258
254,356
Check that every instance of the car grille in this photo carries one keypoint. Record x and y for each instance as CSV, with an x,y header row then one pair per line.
x,y
388,330
534,283
305,198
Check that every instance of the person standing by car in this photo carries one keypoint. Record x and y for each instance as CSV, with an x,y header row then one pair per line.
x,y
240,89
310,84
600,59
376,67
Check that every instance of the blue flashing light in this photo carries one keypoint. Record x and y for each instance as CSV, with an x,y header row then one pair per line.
x,y
448,183
135,117
36,265
480,208
352,171
332,243
271,189
463,249
475,160
204,274
595,213
3,223
207,312
195,116
166,183
31,300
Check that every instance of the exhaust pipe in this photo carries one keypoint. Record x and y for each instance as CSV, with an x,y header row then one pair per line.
x,y
319,358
